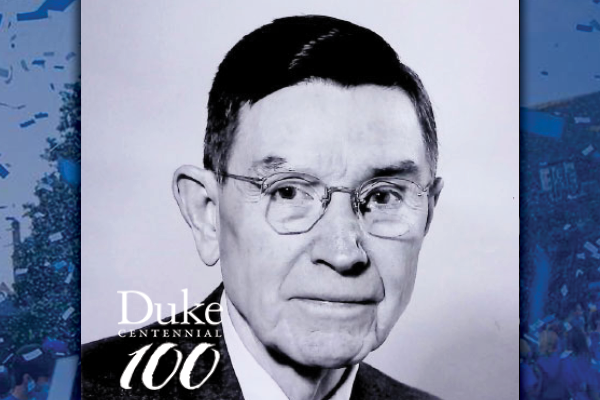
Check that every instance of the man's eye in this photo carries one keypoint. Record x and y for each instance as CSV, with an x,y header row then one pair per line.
x,y
383,198
287,192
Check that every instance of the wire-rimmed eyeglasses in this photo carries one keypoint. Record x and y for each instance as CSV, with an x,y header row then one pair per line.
x,y
386,206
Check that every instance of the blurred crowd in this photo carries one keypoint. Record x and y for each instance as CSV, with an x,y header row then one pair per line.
x,y
31,371
560,358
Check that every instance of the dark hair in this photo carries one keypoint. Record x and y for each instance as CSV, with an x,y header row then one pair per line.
x,y
577,343
5,381
31,360
594,320
299,49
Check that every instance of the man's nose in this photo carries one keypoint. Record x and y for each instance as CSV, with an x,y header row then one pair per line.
x,y
338,238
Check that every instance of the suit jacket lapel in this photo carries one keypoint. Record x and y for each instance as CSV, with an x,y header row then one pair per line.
x,y
223,384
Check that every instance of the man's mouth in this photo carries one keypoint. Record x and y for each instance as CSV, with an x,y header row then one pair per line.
x,y
347,312
335,308
336,301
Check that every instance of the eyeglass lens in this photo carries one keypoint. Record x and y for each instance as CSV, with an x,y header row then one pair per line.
x,y
386,208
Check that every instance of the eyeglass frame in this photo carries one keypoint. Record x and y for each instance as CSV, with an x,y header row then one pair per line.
x,y
325,200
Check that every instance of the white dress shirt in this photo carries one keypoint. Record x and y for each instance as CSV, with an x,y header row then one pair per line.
x,y
255,382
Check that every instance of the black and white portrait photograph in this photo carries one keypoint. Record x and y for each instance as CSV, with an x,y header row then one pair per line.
x,y
300,200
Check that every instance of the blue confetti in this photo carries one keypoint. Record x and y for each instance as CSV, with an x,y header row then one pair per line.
x,y
41,115
43,186
49,54
70,55
549,318
584,28
59,67
4,73
42,12
9,80
11,106
0,19
54,345
60,265
27,123
24,65
545,73
52,86
41,63
69,171
32,16
594,285
3,172
540,123
595,24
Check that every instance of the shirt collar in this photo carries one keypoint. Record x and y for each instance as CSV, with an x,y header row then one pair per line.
x,y
255,382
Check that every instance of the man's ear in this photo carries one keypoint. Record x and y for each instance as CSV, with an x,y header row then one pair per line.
x,y
434,194
196,192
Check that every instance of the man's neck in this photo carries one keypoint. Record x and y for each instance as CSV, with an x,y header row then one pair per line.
x,y
297,384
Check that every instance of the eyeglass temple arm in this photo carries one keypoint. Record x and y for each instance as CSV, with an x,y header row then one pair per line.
x,y
249,179
425,190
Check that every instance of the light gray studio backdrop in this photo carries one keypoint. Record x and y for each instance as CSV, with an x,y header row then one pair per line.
x,y
147,69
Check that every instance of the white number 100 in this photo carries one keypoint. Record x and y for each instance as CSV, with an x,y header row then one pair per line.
x,y
184,375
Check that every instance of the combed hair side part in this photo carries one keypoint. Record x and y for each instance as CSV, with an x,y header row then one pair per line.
x,y
299,49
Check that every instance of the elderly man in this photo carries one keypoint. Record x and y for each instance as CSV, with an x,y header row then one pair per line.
x,y
318,189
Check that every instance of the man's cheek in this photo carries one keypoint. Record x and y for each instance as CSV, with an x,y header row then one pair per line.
x,y
397,270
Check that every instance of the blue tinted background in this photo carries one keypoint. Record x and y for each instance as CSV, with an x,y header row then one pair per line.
x,y
559,182
558,60
39,279
560,74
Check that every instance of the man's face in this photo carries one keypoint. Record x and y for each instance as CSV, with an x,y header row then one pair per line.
x,y
329,296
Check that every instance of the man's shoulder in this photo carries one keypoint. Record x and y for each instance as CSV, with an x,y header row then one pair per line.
x,y
96,355
373,384
105,357
102,363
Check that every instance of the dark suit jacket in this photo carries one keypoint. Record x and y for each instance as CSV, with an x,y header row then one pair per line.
x,y
104,361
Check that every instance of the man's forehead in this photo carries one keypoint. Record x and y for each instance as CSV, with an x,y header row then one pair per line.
x,y
274,163
322,128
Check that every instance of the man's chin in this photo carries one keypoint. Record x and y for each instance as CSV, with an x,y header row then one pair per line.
x,y
329,362
325,351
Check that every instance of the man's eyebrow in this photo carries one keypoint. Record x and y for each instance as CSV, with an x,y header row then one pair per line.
x,y
269,163
406,167
274,163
